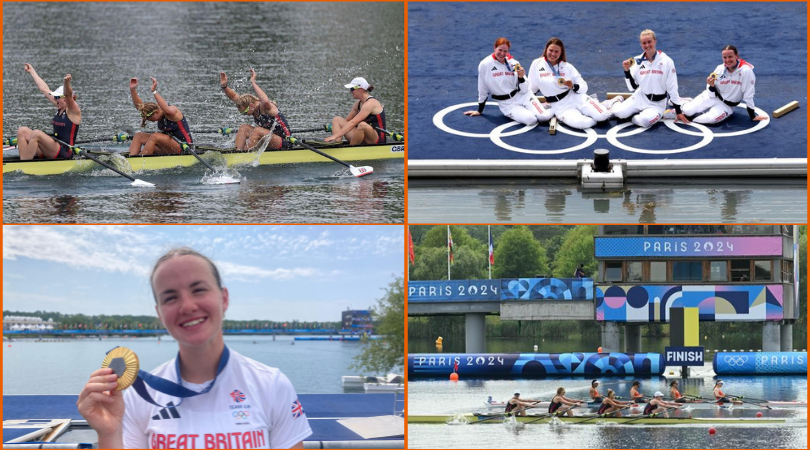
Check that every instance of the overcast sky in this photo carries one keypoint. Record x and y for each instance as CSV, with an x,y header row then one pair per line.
x,y
294,272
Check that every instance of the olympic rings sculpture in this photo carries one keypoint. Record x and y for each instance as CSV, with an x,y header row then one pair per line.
x,y
591,136
735,360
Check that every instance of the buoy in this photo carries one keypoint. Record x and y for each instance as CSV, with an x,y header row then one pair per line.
x,y
712,431
439,341
453,376
599,350
759,414
535,347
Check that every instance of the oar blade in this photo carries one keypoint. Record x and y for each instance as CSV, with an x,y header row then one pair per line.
x,y
141,183
361,171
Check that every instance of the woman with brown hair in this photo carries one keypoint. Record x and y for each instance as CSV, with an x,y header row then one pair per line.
x,y
170,121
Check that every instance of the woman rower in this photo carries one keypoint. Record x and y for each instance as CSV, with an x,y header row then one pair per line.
x,y
266,116
565,90
561,404
517,406
596,397
220,399
635,395
170,121
502,77
612,406
652,86
720,397
674,393
658,405
38,144
364,119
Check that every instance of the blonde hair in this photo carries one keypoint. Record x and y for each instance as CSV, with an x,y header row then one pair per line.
x,y
560,390
147,109
650,32
245,100
183,251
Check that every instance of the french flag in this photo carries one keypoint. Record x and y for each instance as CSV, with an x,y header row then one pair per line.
x,y
491,250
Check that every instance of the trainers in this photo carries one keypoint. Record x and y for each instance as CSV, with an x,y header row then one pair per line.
x,y
610,103
670,114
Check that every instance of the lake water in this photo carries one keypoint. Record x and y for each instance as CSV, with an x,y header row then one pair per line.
x,y
314,367
303,52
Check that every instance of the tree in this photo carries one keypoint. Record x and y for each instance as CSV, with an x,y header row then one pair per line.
x,y
431,264
576,249
382,356
518,254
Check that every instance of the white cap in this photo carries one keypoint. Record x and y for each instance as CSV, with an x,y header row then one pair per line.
x,y
59,92
659,394
358,82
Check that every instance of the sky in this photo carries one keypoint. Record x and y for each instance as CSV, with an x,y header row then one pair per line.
x,y
293,272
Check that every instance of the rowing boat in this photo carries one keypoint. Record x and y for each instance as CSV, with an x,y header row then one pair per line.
x,y
232,157
493,405
490,418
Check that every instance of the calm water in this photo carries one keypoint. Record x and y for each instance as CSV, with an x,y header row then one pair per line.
x,y
314,367
303,54
562,201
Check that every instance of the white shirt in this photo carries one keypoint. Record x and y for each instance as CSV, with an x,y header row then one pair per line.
x,y
542,77
250,406
497,78
656,77
737,86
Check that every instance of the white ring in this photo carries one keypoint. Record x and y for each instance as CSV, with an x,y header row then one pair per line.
x,y
572,132
612,133
438,121
495,136
760,125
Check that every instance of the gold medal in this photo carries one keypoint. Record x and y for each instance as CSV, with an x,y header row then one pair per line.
x,y
561,81
631,61
713,76
124,363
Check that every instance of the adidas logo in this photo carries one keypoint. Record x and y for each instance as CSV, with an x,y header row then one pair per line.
x,y
169,412
642,66
494,68
542,69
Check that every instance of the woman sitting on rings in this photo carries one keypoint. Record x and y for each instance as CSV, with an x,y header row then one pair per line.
x,y
502,77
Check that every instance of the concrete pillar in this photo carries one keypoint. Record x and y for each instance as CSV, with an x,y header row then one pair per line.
x,y
475,333
786,331
632,338
770,337
611,337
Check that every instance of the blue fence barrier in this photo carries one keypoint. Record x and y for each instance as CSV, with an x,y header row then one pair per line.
x,y
760,363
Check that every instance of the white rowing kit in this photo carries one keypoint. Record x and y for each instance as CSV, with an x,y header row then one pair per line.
x,y
500,79
738,86
656,81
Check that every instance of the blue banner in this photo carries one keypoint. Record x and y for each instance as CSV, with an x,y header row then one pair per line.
x,y
454,291
709,246
767,363
547,289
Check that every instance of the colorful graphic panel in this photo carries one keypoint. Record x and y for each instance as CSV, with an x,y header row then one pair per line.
x,y
669,247
715,303
749,363
546,289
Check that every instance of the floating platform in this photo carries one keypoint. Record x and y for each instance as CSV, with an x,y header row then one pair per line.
x,y
337,420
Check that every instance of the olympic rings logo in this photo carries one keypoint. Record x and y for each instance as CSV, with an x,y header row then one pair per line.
x,y
591,136
735,361
241,414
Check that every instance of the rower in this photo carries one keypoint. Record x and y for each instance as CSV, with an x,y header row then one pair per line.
x,y
562,405
596,397
674,393
267,118
720,397
38,144
365,119
658,405
517,406
612,406
635,395
170,122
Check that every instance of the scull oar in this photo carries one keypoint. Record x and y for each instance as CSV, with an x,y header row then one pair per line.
x,y
356,171
740,399
547,415
598,416
397,136
79,151
646,416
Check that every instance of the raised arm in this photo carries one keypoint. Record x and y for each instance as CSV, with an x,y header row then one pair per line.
x,y
171,112
223,84
267,106
41,84
73,111
133,92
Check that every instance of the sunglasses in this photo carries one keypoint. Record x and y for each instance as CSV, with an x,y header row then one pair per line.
x,y
352,89
57,97
149,114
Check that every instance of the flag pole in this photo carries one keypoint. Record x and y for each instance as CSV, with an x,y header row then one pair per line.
x,y
448,252
489,255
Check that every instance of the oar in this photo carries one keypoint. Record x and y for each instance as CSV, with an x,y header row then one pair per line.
x,y
740,398
646,416
185,146
326,128
356,171
223,131
78,151
396,136
602,416
10,141
121,137
501,415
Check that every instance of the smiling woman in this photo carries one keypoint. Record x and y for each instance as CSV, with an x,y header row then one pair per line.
x,y
220,399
